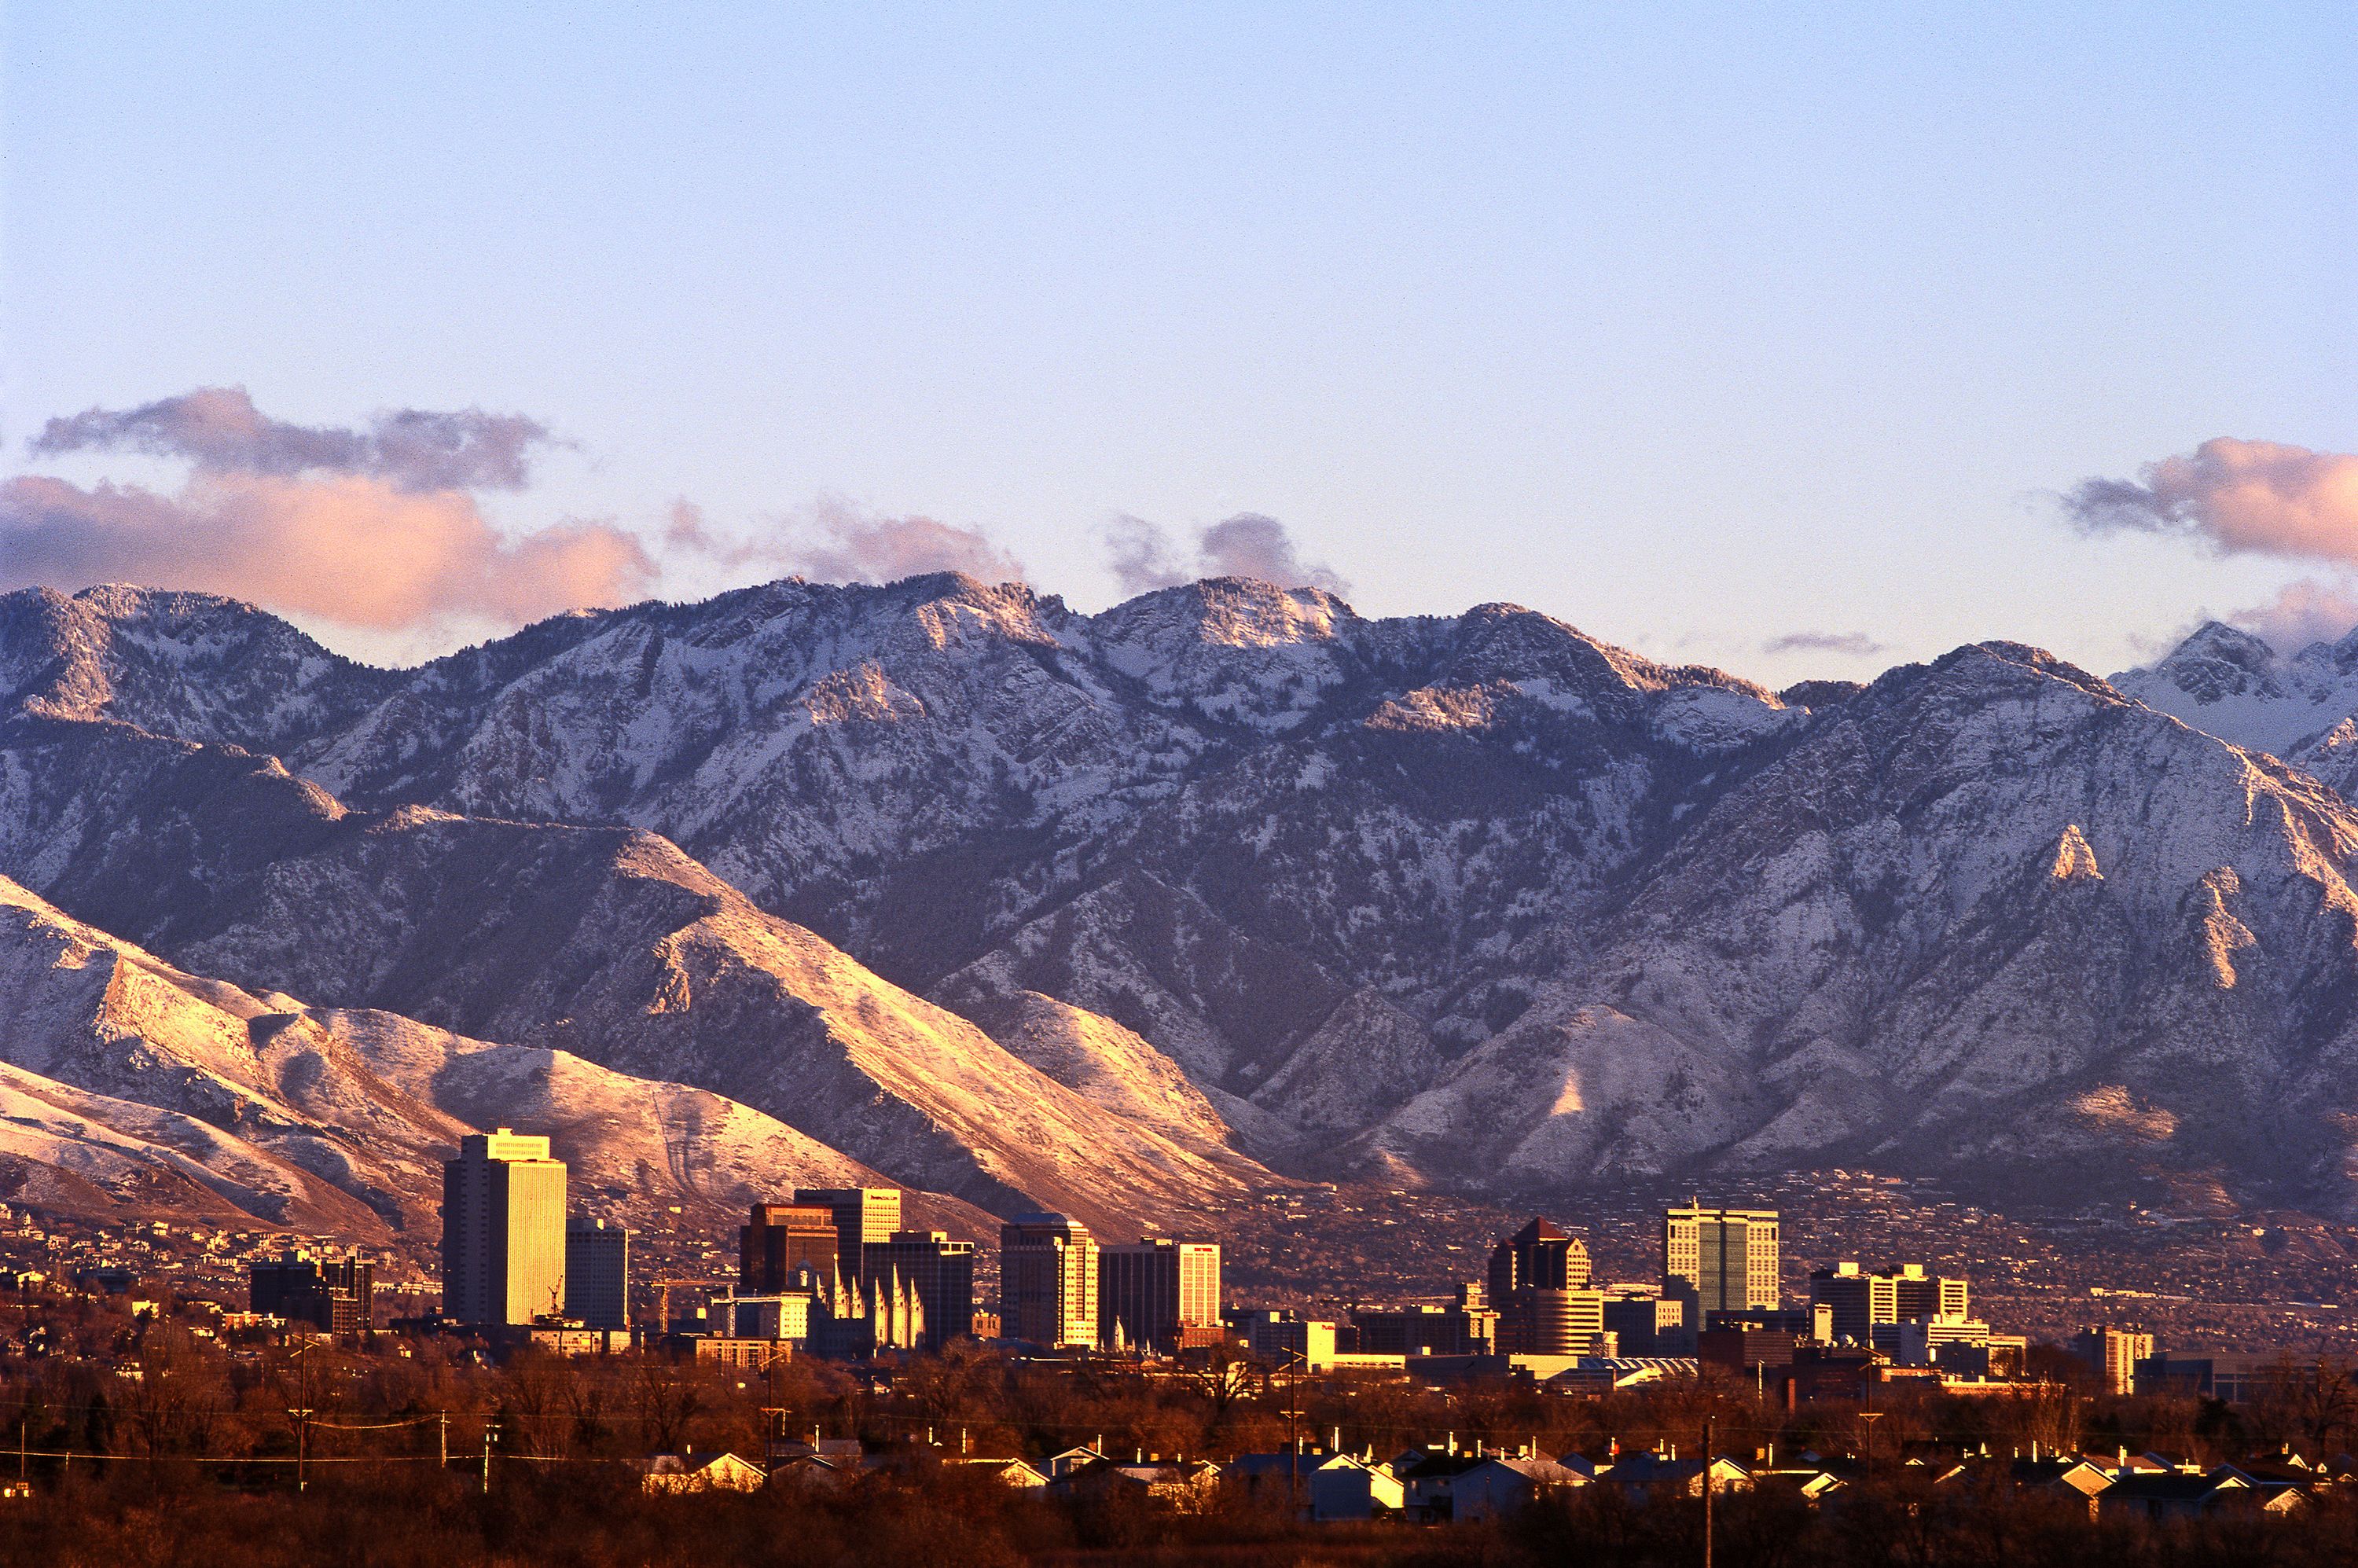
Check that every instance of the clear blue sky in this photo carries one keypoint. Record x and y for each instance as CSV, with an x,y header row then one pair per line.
x,y
1696,326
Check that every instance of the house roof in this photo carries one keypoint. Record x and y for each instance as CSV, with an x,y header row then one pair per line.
x,y
1646,1468
692,1464
1545,1471
2174,1486
1274,1464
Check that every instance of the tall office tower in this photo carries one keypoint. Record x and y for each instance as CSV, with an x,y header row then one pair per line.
x,y
1467,1328
1855,1300
941,1272
1917,1292
1048,1280
1859,1301
598,1273
503,1230
2114,1352
1155,1289
1539,1285
1726,1255
1644,1321
1538,1255
863,1217
331,1294
784,1237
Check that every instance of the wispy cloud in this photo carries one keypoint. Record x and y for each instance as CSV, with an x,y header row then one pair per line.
x,y
833,540
1143,557
217,429
1857,643
2236,496
843,543
376,529
2309,611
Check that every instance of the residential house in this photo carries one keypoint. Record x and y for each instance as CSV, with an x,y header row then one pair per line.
x,y
721,1472
1429,1483
1179,1483
1015,1472
1810,1483
1647,1472
2176,1495
1348,1487
1057,1465
1502,1483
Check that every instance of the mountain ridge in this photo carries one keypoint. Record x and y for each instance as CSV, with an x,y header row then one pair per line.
x,y
1260,890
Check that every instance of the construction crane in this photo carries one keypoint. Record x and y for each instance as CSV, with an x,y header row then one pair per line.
x,y
663,1297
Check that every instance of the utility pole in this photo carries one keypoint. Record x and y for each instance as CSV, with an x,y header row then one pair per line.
x,y
776,1434
442,1419
1292,1437
490,1424
1867,1415
1706,1492
302,1413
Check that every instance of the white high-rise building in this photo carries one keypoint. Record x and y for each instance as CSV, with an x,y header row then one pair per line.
x,y
503,1230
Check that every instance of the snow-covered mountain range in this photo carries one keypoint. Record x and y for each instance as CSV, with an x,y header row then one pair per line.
x,y
2302,706
132,1085
1136,913
2233,685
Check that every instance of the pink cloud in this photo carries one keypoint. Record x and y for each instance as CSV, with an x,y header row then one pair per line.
x,y
2241,497
846,543
376,526
354,548
839,542
2302,612
1143,557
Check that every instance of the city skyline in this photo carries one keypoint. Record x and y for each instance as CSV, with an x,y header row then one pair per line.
x,y
1010,783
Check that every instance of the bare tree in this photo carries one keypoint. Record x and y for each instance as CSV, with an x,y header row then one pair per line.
x,y
667,1400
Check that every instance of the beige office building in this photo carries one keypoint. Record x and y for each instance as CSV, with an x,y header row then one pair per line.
x,y
1154,1291
503,1230
862,1216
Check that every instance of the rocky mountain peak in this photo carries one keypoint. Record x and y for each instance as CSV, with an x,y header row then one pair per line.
x,y
1228,611
2215,643
174,663
2231,684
